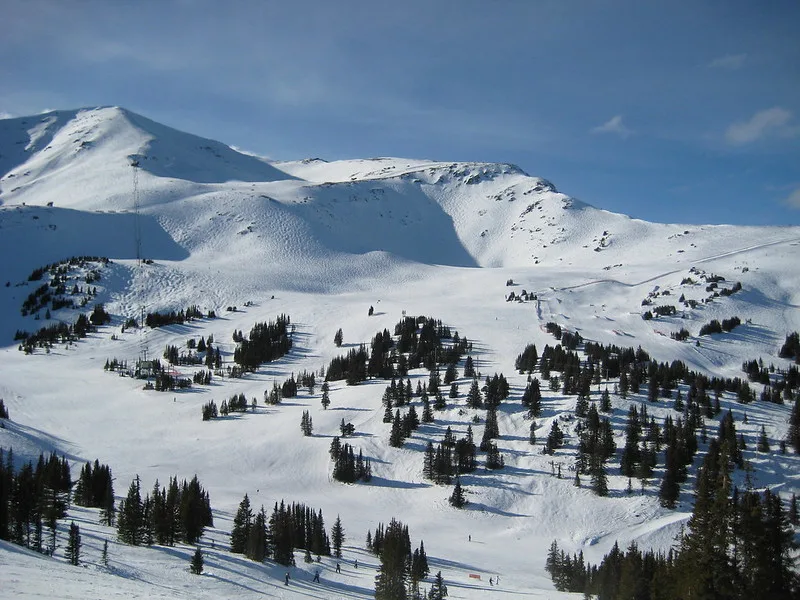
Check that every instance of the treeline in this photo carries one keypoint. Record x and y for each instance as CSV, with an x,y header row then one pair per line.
x,y
267,342
168,515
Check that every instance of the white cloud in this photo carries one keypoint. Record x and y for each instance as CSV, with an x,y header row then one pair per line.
x,y
772,121
614,125
5,115
794,199
729,62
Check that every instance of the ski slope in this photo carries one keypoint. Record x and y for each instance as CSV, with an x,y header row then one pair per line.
x,y
322,242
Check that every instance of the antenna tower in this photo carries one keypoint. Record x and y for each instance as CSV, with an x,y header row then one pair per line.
x,y
137,228
137,232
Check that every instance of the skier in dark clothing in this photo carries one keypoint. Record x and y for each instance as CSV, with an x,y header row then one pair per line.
x,y
286,580
338,568
316,576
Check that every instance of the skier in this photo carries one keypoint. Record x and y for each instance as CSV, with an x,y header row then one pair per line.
x,y
355,564
491,581
338,568
286,579
316,576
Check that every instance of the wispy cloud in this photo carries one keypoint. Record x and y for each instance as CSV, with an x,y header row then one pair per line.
x,y
774,121
614,125
5,115
793,199
729,62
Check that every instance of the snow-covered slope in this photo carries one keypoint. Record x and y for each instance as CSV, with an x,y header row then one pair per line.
x,y
321,242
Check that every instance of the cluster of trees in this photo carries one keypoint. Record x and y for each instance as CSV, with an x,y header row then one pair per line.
x,y
55,290
167,382
736,545
402,427
400,570
236,403
527,361
45,337
288,389
595,446
32,498
289,527
347,466
267,342
157,319
714,326
352,367
449,458
791,347
169,514
95,489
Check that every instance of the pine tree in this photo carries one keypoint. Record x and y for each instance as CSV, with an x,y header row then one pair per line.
x,y
338,338
326,399
131,522
474,399
793,435
241,526
532,436
396,435
391,582
457,498
306,424
73,551
258,538
196,566
763,441
337,537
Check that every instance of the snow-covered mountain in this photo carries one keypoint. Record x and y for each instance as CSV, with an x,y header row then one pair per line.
x,y
322,241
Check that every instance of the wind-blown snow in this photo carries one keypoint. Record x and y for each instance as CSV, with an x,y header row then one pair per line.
x,y
322,242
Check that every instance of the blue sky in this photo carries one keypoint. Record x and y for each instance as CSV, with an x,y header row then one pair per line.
x,y
681,111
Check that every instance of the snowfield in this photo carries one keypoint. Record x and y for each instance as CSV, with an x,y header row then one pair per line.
x,y
322,242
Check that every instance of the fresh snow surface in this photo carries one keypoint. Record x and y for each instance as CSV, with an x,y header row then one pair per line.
x,y
321,242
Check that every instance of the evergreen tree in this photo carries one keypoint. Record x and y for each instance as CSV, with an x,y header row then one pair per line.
x,y
427,413
532,436
73,551
763,441
196,566
306,424
338,338
396,435
474,398
793,435
391,582
131,522
337,537
326,399
457,498
258,538
241,527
